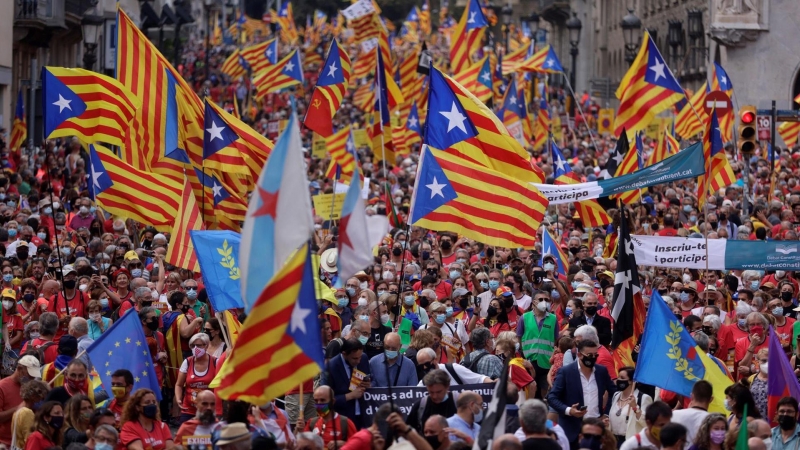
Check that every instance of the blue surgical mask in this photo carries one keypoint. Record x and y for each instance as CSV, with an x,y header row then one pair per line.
x,y
549,267
449,312
8,277
575,284
555,295
66,251
11,204
104,266
191,293
41,236
692,218
136,273
687,208
742,323
493,285
381,292
12,232
48,210
350,291
684,296
776,311
363,340
103,446
455,274
567,311
646,226
342,302
484,285
104,302
364,317
754,285
408,300
440,318
390,354
92,210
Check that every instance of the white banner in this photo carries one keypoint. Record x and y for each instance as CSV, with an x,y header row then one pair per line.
x,y
358,9
681,253
557,194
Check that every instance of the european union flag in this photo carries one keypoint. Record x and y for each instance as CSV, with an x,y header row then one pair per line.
x,y
100,179
668,356
218,255
447,122
124,346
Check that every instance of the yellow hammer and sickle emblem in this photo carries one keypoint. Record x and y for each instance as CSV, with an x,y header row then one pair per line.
x,y
316,103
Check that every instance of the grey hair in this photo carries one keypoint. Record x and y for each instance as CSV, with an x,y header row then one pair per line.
x,y
414,267
79,325
145,311
713,321
315,438
701,339
83,259
27,330
434,305
428,351
48,323
428,292
199,337
108,429
533,417
587,332
110,250
479,337
143,292
760,317
750,274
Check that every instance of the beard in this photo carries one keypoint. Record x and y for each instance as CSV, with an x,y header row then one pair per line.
x,y
207,417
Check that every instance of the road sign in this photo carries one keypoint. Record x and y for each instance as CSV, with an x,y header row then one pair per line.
x,y
718,100
764,127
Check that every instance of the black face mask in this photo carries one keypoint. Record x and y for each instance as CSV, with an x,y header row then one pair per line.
x,y
787,422
433,441
574,250
713,225
604,283
786,296
587,269
70,284
589,361
491,311
381,211
426,255
591,310
446,245
147,304
509,285
708,331
423,369
463,302
185,308
152,325
432,272
722,216
663,291
508,302
590,441
397,251
22,254
623,384
424,302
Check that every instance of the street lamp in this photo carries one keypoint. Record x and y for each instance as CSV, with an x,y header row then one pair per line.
x,y
533,25
632,34
574,26
90,26
507,12
675,38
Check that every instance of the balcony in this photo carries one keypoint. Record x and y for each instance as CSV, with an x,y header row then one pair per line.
x,y
39,14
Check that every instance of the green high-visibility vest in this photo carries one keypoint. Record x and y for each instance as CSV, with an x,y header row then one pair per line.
x,y
537,345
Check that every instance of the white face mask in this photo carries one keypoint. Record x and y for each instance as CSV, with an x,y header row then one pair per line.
x,y
768,443
388,275
83,287
7,304
364,285
543,306
362,302
154,294
686,278
94,316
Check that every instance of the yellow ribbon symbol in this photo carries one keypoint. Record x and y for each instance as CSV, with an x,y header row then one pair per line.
x,y
228,261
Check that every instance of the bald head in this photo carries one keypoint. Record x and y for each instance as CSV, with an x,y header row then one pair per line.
x,y
323,394
391,341
49,288
755,443
507,442
759,428
205,401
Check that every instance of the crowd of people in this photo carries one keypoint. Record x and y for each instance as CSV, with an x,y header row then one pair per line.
x,y
70,271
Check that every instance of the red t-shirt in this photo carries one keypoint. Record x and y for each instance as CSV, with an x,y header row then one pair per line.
x,y
50,353
360,441
153,440
741,351
668,231
196,383
443,289
77,308
37,441
9,398
785,333
326,430
13,322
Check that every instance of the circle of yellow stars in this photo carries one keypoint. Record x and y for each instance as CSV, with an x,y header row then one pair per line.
x,y
117,344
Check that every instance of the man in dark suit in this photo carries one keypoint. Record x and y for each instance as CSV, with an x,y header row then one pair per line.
x,y
350,368
590,317
579,389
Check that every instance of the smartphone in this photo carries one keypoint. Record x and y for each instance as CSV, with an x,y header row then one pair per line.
x,y
582,408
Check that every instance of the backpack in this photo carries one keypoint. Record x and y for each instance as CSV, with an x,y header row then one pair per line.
x,y
471,365
41,349
115,314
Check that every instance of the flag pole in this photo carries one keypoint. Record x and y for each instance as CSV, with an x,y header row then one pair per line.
x,y
65,369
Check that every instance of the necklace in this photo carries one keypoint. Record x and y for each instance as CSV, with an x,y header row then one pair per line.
x,y
621,402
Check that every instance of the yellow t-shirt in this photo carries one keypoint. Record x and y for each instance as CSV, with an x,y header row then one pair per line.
x,y
23,422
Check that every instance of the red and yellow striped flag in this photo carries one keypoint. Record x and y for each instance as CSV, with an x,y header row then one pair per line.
x,y
181,250
268,359
19,129
477,79
513,59
666,147
288,72
341,156
789,132
261,56
687,123
629,164
467,36
233,65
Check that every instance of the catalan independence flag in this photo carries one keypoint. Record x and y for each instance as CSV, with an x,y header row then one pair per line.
x,y
261,56
19,129
181,249
550,247
477,79
334,78
648,88
217,139
589,211
545,60
718,173
468,36
687,122
91,106
251,145
278,345
541,129
123,190
515,58
789,132
342,148
629,164
720,81
288,29
666,147
288,72
235,65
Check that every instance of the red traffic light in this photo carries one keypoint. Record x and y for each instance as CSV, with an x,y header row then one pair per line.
x,y
748,117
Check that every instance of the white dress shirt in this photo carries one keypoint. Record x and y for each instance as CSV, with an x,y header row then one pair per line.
x,y
590,398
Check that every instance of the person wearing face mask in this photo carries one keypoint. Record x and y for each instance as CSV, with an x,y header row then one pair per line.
x,y
33,394
31,305
537,333
626,416
783,325
746,348
12,321
67,350
656,416
712,431
411,310
121,387
28,368
339,313
204,422
46,427
591,317
787,298
464,424
378,317
155,340
75,381
573,404
329,425
454,337
192,293
435,434
74,304
77,412
787,434
688,298
142,426
494,280
349,370
391,368
195,375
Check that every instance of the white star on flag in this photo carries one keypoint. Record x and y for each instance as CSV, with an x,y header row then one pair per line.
x,y
472,17
217,189
560,163
724,80
455,119
332,70
215,131
299,315
268,52
63,103
289,66
412,122
485,76
436,188
658,68
618,157
513,100
549,62
96,174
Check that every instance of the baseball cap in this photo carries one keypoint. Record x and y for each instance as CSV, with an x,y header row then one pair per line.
x,y
68,269
503,291
459,292
32,364
67,345
10,293
131,255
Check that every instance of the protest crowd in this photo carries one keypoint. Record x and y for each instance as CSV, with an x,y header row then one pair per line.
x,y
437,339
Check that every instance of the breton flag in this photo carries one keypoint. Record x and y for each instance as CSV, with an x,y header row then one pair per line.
x,y
494,424
628,311
358,233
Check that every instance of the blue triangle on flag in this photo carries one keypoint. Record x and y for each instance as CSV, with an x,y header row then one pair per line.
x,y
218,134
657,71
100,179
447,123
60,102
433,187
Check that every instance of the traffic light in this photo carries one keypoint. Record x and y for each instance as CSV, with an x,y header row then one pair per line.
x,y
747,130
